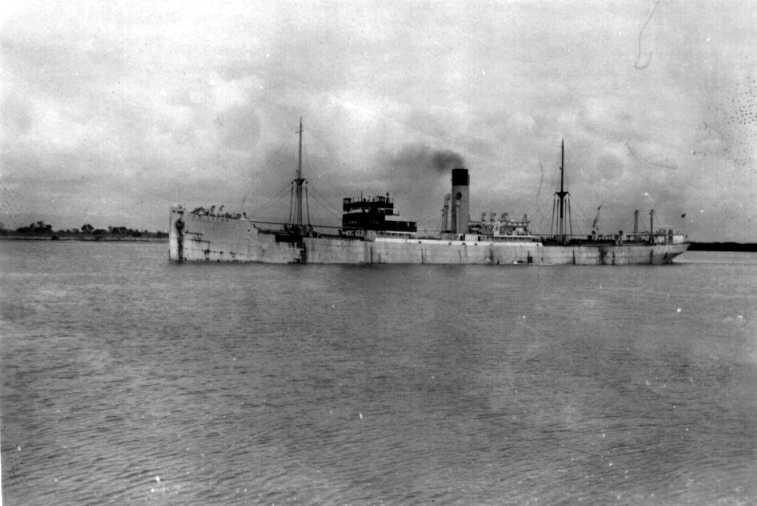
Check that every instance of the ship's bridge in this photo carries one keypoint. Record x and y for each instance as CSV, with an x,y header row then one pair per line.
x,y
371,213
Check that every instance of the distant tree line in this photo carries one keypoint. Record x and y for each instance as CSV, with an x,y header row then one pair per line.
x,y
39,227
42,229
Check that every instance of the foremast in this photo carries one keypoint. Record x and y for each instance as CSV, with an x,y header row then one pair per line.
x,y
299,186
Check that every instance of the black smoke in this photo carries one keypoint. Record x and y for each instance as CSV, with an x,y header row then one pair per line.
x,y
417,176
414,159
447,160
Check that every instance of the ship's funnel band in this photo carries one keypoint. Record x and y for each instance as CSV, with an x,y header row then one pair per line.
x,y
460,177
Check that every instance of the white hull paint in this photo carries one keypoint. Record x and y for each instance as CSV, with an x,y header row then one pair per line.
x,y
204,238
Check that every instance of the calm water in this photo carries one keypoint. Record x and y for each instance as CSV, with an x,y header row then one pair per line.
x,y
128,380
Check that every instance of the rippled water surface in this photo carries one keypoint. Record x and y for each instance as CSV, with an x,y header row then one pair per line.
x,y
129,380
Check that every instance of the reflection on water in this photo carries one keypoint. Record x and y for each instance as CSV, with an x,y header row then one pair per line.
x,y
126,379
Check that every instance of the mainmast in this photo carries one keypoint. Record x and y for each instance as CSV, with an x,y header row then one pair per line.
x,y
563,202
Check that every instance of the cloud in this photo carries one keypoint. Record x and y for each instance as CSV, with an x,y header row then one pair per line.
x,y
15,114
609,167
120,110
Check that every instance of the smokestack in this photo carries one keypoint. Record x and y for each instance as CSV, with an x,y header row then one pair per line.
x,y
460,202
636,222
651,225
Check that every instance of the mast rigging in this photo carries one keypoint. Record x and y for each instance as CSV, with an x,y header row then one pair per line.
x,y
296,207
561,204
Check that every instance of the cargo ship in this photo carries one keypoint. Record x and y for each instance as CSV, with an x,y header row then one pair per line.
x,y
371,233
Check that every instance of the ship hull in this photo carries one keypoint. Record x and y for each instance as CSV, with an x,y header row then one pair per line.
x,y
203,238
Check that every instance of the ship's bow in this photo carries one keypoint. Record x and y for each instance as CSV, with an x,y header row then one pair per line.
x,y
176,227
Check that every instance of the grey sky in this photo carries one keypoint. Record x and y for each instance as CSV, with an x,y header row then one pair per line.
x,y
111,111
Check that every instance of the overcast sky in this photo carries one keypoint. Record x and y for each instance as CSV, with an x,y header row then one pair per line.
x,y
112,111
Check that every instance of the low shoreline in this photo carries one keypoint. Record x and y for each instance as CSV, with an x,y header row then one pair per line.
x,y
83,238
748,247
